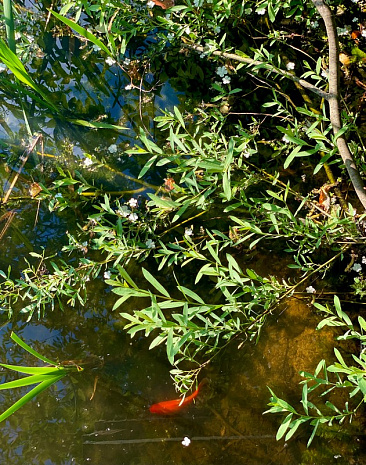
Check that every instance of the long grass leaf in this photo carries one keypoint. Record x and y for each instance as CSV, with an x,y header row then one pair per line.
x,y
28,380
83,32
96,125
34,370
17,68
29,349
29,396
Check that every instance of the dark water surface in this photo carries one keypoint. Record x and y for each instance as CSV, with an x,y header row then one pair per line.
x,y
100,416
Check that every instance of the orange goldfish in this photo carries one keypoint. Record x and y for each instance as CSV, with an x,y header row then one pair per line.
x,y
169,407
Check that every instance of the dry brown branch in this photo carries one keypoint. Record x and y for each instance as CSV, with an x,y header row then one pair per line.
x,y
333,97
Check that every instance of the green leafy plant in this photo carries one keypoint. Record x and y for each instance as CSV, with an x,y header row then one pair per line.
x,y
339,375
43,377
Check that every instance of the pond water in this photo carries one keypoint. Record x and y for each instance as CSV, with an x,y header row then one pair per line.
x,y
100,416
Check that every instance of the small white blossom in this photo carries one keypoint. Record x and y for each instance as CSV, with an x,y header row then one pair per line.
x,y
226,80
357,267
129,87
110,61
314,24
187,30
285,139
126,61
261,11
186,442
217,29
58,195
96,48
246,153
290,65
221,71
188,232
310,290
112,148
107,275
133,217
303,177
324,73
2,67
342,31
132,203
363,33
87,162
150,244
123,211
150,4
363,260
354,20
170,36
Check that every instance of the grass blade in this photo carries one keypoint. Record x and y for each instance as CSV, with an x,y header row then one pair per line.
x,y
83,32
27,397
30,350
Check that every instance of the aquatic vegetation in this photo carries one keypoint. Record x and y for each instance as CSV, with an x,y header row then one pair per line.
x,y
228,184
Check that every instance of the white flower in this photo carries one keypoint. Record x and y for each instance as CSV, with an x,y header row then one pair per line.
x,y
107,275
112,148
186,442
310,290
290,65
58,195
87,162
261,11
357,267
188,231
188,30
342,31
123,211
363,260
324,73
285,139
217,29
126,61
110,61
150,4
363,33
150,244
221,71
133,217
354,20
170,36
129,87
2,67
314,24
132,203
226,80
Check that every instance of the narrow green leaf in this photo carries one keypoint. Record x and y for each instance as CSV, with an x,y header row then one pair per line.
x,y
28,380
316,424
191,294
82,31
284,426
33,393
29,349
150,278
304,399
33,370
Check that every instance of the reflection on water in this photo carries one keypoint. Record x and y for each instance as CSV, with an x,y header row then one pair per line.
x,y
225,425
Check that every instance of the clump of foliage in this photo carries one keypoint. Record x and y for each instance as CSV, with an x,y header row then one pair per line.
x,y
226,189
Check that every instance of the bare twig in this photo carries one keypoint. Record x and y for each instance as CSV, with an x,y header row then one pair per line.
x,y
333,99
